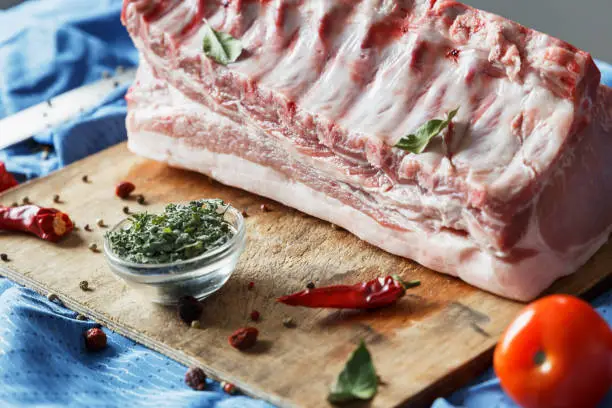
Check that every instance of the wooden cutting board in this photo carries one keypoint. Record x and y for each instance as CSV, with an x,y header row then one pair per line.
x,y
433,341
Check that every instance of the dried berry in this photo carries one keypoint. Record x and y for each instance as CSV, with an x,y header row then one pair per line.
x,y
140,199
56,198
310,285
4,257
84,285
228,388
95,339
255,315
251,285
189,309
126,210
124,189
243,339
195,378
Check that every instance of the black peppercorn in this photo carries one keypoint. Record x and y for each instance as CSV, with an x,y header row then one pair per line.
x,y
84,285
126,210
140,199
85,179
310,285
4,257
189,309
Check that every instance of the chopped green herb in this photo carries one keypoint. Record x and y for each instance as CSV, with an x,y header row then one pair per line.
x,y
182,232
417,142
221,47
358,380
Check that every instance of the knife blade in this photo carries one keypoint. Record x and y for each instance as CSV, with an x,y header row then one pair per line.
x,y
60,109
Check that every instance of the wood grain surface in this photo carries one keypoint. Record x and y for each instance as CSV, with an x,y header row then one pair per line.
x,y
434,340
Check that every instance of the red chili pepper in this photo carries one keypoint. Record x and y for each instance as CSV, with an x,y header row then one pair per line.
x,y
366,295
6,179
46,223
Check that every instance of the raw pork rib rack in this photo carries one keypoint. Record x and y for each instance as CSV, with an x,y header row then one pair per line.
x,y
511,197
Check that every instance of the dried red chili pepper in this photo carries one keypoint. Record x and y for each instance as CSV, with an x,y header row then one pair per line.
x,y
244,338
46,223
373,294
6,179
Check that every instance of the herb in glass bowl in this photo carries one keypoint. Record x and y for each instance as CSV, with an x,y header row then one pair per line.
x,y
182,232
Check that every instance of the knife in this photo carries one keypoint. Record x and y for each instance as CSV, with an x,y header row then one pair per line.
x,y
60,109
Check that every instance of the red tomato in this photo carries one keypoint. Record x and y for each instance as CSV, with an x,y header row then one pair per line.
x,y
557,353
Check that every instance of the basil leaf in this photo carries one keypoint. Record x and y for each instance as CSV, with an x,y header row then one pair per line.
x,y
221,47
358,380
417,142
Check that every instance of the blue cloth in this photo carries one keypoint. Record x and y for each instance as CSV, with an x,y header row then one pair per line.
x,y
48,47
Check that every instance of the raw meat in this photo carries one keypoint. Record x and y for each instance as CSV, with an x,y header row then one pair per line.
x,y
511,197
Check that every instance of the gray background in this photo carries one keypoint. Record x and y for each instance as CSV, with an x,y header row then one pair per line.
x,y
585,23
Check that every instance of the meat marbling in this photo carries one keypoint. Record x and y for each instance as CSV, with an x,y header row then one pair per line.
x,y
512,196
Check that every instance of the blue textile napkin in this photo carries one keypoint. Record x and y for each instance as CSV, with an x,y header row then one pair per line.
x,y
48,47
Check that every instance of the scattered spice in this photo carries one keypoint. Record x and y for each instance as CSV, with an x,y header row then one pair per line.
x,y
228,388
265,208
288,322
126,210
124,189
85,178
189,309
52,297
93,247
26,200
182,232
4,257
195,324
116,84
100,223
56,198
310,285
140,199
81,317
251,285
373,294
195,378
87,228
49,103
95,339
243,339
46,223
84,285
14,204
255,315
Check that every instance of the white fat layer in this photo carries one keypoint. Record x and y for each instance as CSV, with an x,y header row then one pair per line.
x,y
444,252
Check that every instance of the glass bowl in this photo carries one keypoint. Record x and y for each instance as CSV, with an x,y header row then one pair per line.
x,y
198,277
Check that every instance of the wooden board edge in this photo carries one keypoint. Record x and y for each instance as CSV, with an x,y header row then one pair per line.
x,y
157,346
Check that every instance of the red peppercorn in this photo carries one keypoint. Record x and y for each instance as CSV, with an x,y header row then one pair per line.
x,y
195,378
244,338
124,189
251,285
254,315
95,339
229,388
